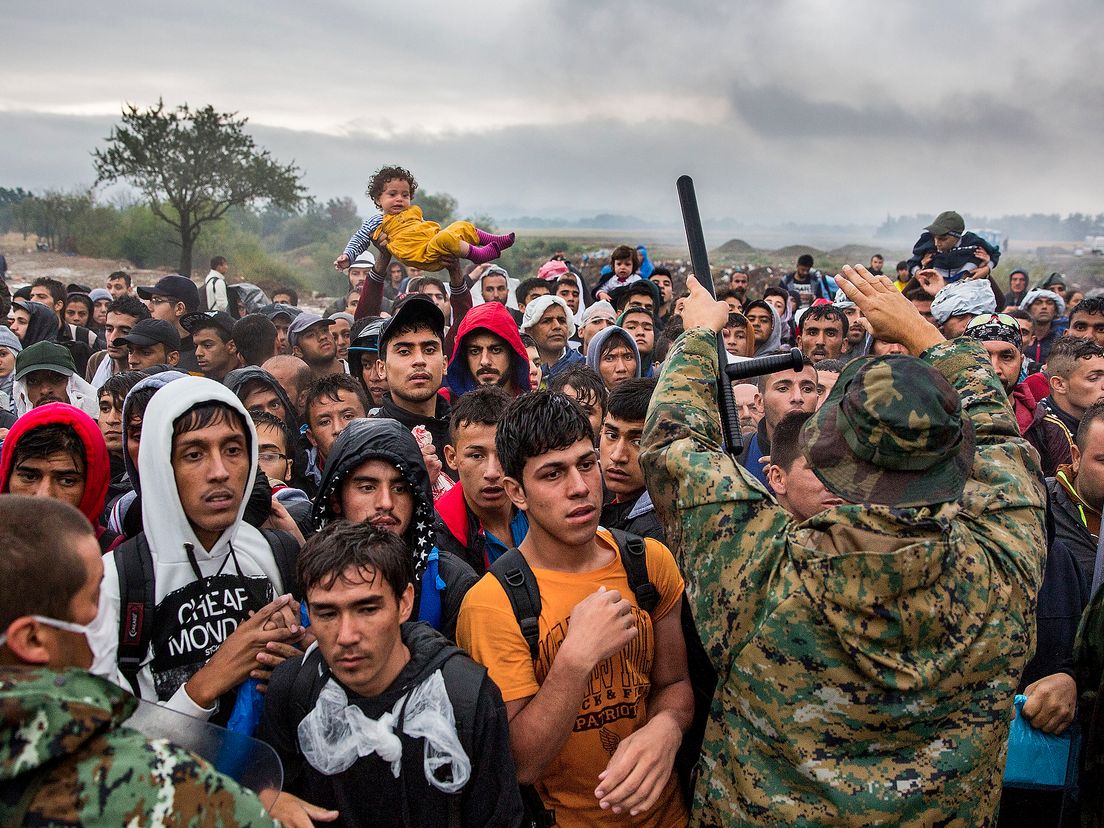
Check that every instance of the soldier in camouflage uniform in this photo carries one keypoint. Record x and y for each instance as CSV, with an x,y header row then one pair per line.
x,y
66,757
869,655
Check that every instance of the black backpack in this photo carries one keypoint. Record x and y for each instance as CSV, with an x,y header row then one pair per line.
x,y
463,681
137,593
520,586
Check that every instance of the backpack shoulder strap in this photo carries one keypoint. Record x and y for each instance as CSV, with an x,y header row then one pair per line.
x,y
308,683
463,683
285,550
134,564
635,560
520,585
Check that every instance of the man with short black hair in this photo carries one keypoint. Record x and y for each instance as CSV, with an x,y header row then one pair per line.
x,y
118,284
286,296
827,371
640,323
782,392
795,487
475,519
584,385
598,706
212,334
77,719
122,315
311,340
214,285
613,355
358,582
254,335
329,405
281,317
1075,369
1087,320
171,299
530,289
77,339
821,332
808,283
151,342
628,506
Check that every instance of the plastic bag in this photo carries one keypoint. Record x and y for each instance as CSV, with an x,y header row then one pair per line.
x,y
442,482
429,716
1035,759
248,708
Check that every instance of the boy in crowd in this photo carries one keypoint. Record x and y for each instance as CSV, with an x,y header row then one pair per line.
x,y
613,355
212,334
475,519
795,487
629,506
331,404
122,315
585,386
358,581
376,473
624,262
77,719
530,289
151,342
598,709
947,248
640,324
219,611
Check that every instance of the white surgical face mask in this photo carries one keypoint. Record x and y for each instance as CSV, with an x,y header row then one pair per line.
x,y
67,626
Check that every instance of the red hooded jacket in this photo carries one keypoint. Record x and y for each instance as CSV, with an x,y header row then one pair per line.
x,y
98,467
495,318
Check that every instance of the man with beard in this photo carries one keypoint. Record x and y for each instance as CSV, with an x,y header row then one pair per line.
x,y
310,339
413,356
1045,306
45,373
549,321
857,340
999,334
488,351
821,332
1087,320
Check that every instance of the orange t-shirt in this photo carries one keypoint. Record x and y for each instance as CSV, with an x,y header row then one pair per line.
x,y
614,706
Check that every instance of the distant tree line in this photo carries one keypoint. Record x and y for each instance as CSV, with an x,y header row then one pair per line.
x,y
1035,227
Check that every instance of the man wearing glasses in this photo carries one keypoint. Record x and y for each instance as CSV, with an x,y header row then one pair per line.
x,y
171,299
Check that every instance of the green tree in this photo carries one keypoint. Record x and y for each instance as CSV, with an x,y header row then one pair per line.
x,y
438,207
192,165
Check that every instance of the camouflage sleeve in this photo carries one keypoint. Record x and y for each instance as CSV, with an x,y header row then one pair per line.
x,y
727,533
1004,499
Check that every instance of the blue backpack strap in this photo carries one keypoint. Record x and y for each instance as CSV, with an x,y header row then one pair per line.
x,y
429,603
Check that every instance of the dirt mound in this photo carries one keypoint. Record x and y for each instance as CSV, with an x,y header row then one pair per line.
x,y
735,246
795,250
854,253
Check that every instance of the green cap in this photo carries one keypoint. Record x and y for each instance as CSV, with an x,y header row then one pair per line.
x,y
891,432
44,356
945,223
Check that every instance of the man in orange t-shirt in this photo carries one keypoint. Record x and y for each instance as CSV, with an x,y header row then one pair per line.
x,y
596,719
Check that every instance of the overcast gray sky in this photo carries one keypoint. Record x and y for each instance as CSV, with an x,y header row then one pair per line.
x,y
834,112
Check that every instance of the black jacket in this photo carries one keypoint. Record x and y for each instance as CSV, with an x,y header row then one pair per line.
x,y
1070,529
636,515
368,793
437,425
368,439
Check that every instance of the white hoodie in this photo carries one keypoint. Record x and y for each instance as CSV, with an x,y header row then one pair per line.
x,y
191,618
81,394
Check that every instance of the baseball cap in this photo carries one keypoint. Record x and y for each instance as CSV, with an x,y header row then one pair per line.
x,y
192,322
302,322
151,332
892,432
415,309
947,223
44,356
180,288
280,309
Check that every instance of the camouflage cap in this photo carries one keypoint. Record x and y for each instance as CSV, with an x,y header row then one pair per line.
x,y
892,432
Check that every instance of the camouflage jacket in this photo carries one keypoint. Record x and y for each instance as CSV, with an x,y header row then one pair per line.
x,y
868,656
63,739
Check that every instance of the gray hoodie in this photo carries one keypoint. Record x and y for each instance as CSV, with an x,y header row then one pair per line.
x,y
594,349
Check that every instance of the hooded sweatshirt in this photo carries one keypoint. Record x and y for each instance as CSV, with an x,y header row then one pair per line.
x,y
96,462
192,615
81,394
492,318
48,714
594,349
43,326
390,440
774,338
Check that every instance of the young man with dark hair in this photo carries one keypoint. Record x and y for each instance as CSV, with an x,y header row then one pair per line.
x,y
412,351
358,582
488,351
57,451
821,332
795,487
640,294
118,284
584,385
330,404
475,519
808,283
733,298
567,288
922,301
827,371
599,707
77,339
112,396
212,334
218,609
1076,371
614,356
171,299
277,457
78,720
214,285
782,392
376,473
286,296
530,289
533,352
640,324
122,315
254,336
1087,320
663,280
628,505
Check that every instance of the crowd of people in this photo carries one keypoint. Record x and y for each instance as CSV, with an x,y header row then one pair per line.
x,y
473,551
